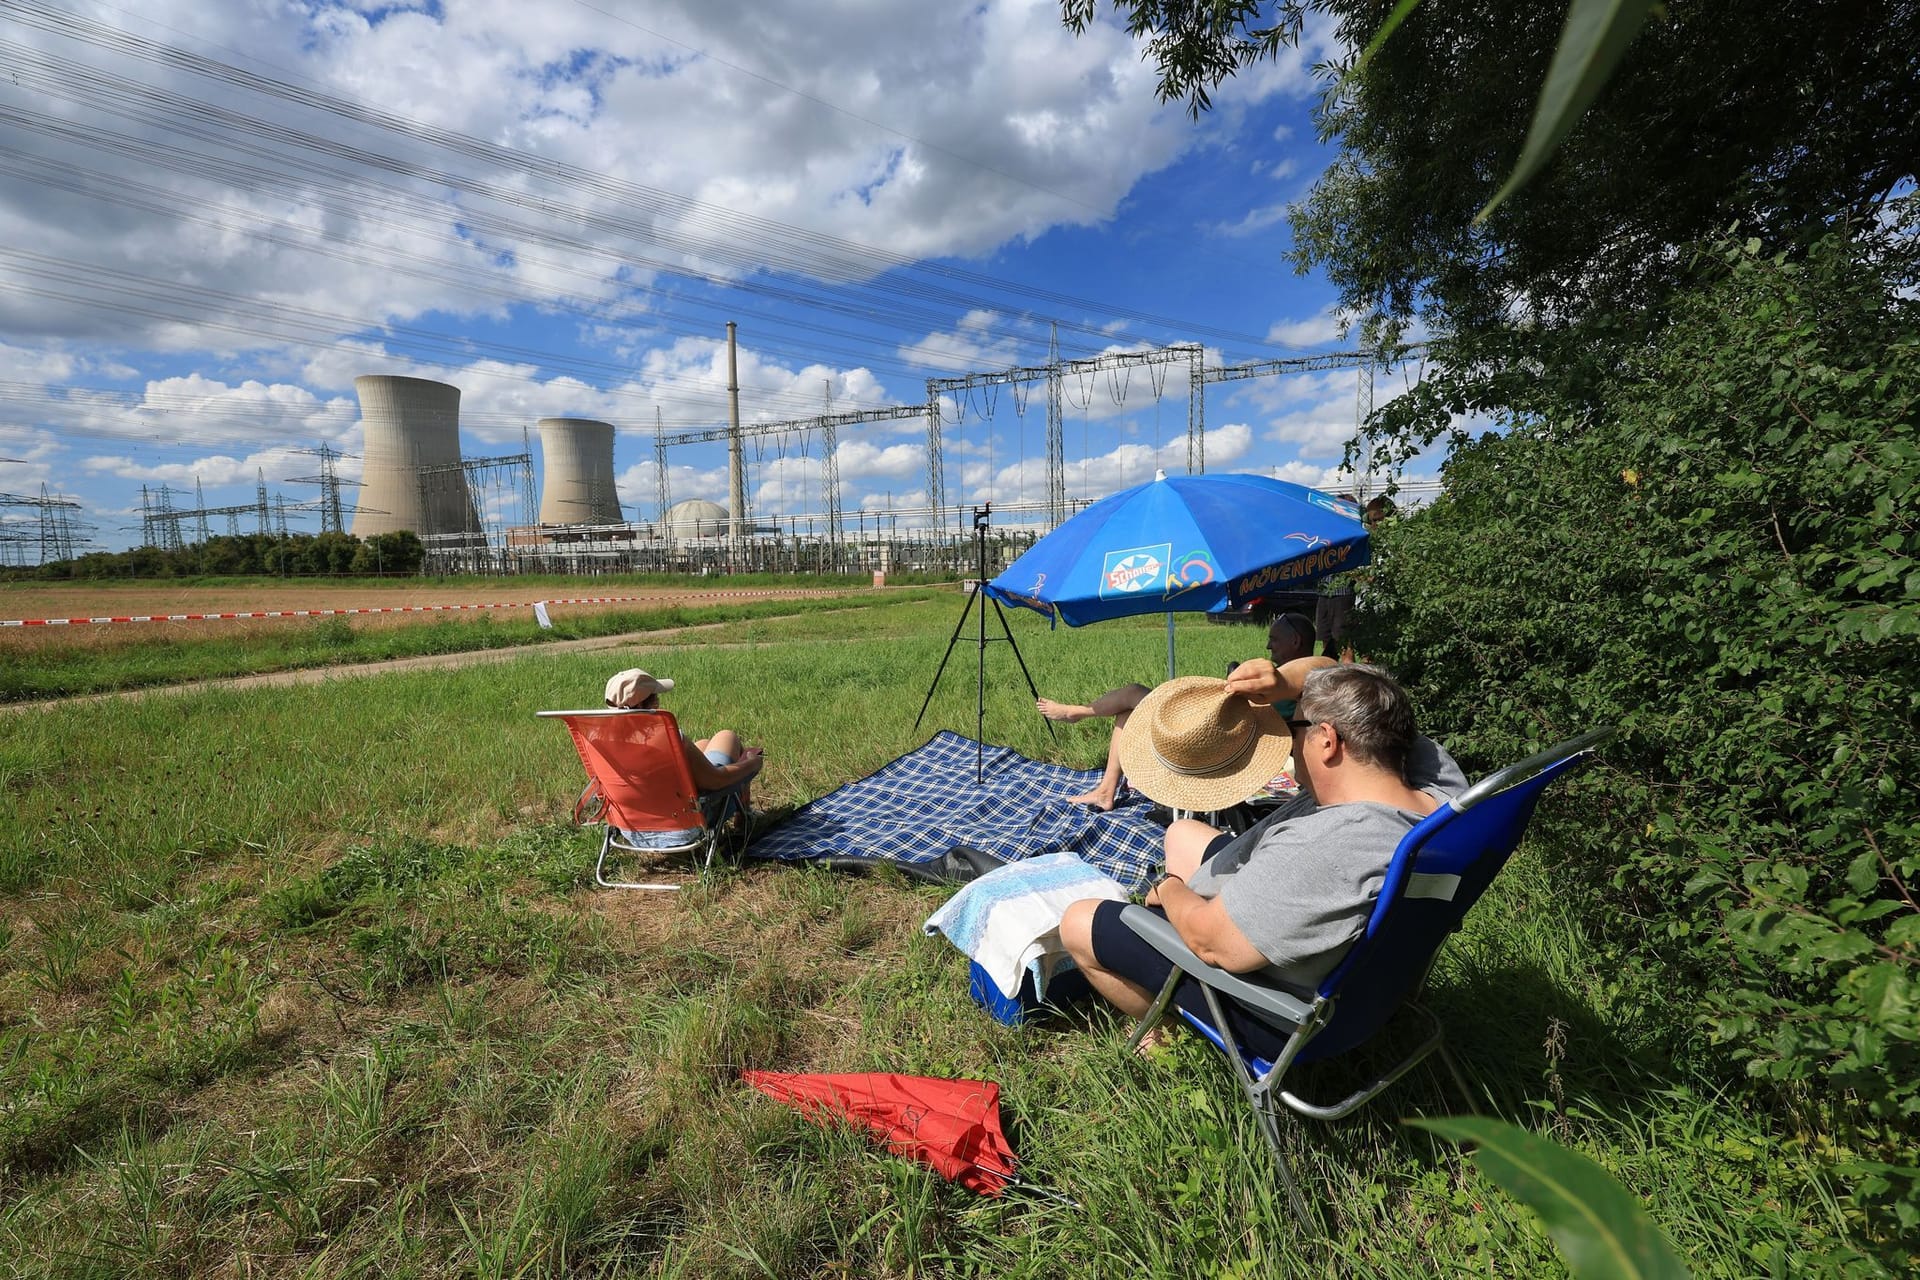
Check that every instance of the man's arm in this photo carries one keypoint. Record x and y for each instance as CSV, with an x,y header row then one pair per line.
x,y
1204,925
1257,680
708,776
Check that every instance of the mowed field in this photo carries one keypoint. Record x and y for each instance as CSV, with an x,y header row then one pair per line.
x,y
313,982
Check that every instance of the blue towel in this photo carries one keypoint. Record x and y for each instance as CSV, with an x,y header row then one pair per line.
x,y
1008,921
918,807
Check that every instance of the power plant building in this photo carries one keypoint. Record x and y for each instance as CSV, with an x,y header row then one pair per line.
x,y
412,478
577,487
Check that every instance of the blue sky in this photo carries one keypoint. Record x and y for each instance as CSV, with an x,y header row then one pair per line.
x,y
215,214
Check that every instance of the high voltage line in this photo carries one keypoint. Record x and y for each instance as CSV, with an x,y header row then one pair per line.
x,y
802,251
570,217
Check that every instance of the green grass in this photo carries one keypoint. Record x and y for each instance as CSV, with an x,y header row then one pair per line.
x,y
308,982
42,670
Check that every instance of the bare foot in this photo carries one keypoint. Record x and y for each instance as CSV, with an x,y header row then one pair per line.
x,y
1062,712
1097,799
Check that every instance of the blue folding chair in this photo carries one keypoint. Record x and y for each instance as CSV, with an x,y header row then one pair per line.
x,y
1439,870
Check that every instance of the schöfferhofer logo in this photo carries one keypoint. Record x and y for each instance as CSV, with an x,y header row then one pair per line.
x,y
1135,571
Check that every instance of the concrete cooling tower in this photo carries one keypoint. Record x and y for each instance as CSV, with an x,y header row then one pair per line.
x,y
578,485
411,424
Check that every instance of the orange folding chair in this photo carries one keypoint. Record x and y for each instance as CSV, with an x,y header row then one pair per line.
x,y
638,782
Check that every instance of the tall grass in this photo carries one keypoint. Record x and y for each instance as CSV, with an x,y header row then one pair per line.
x,y
308,982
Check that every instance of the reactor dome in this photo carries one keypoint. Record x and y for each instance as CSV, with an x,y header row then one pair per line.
x,y
696,518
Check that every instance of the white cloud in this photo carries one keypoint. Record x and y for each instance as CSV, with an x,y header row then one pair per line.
x,y
215,314
1252,222
969,345
1315,330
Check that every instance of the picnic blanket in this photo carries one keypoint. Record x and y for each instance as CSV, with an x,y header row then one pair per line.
x,y
916,808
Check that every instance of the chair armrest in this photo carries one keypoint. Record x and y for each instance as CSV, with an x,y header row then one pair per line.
x,y
1270,1002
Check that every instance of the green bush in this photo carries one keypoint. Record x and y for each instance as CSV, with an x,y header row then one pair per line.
x,y
1726,562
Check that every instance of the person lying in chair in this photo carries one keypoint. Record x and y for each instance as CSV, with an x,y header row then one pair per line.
x,y
1290,896
720,763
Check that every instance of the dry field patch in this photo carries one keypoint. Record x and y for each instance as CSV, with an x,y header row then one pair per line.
x,y
81,600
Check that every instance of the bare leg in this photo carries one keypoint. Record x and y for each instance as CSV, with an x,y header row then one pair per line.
x,y
1114,702
1076,931
1117,702
726,742
1106,791
729,744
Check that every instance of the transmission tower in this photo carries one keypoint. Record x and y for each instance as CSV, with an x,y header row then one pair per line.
x,y
54,518
200,511
936,461
157,519
830,476
331,508
1196,413
483,479
1056,433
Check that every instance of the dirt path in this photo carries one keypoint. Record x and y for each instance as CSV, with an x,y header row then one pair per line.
x,y
640,640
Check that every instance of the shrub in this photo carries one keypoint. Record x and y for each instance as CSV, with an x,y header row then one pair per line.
x,y
1727,563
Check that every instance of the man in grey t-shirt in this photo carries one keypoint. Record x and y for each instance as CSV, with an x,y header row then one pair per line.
x,y
1290,896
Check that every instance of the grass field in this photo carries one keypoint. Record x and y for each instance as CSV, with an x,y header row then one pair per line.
x,y
305,982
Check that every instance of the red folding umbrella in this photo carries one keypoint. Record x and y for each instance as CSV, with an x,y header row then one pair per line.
x,y
952,1126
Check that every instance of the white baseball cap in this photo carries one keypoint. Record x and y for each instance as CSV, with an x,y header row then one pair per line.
x,y
633,686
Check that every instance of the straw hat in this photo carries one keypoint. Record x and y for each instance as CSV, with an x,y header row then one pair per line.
x,y
633,686
1192,745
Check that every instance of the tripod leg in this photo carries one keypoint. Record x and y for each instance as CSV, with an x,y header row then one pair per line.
x,y
1002,614
943,662
980,683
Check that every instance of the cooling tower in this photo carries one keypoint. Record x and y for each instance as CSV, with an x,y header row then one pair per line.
x,y
578,485
411,424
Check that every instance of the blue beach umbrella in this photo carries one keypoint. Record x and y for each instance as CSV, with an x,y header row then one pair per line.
x,y
1186,544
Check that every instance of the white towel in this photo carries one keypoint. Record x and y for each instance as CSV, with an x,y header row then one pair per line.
x,y
1008,921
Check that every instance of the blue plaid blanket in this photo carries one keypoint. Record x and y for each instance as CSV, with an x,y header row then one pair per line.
x,y
926,802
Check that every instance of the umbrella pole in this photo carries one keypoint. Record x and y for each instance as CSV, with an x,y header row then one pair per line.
x,y
1169,645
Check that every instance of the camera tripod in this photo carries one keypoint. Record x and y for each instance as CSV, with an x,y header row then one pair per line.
x,y
981,517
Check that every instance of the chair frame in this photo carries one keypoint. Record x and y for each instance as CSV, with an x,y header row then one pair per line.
x,y
707,845
1304,1019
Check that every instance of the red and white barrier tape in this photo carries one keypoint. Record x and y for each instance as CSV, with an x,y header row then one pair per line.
x,y
342,613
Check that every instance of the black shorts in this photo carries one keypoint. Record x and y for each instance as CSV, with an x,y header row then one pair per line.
x,y
1119,950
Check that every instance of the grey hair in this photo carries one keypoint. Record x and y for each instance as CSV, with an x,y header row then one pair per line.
x,y
1368,708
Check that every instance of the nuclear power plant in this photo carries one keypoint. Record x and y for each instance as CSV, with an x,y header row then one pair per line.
x,y
578,486
413,478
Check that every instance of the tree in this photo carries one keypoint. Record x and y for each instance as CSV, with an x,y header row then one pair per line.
x,y
1784,117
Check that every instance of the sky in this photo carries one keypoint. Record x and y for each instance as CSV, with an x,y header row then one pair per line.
x,y
215,214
